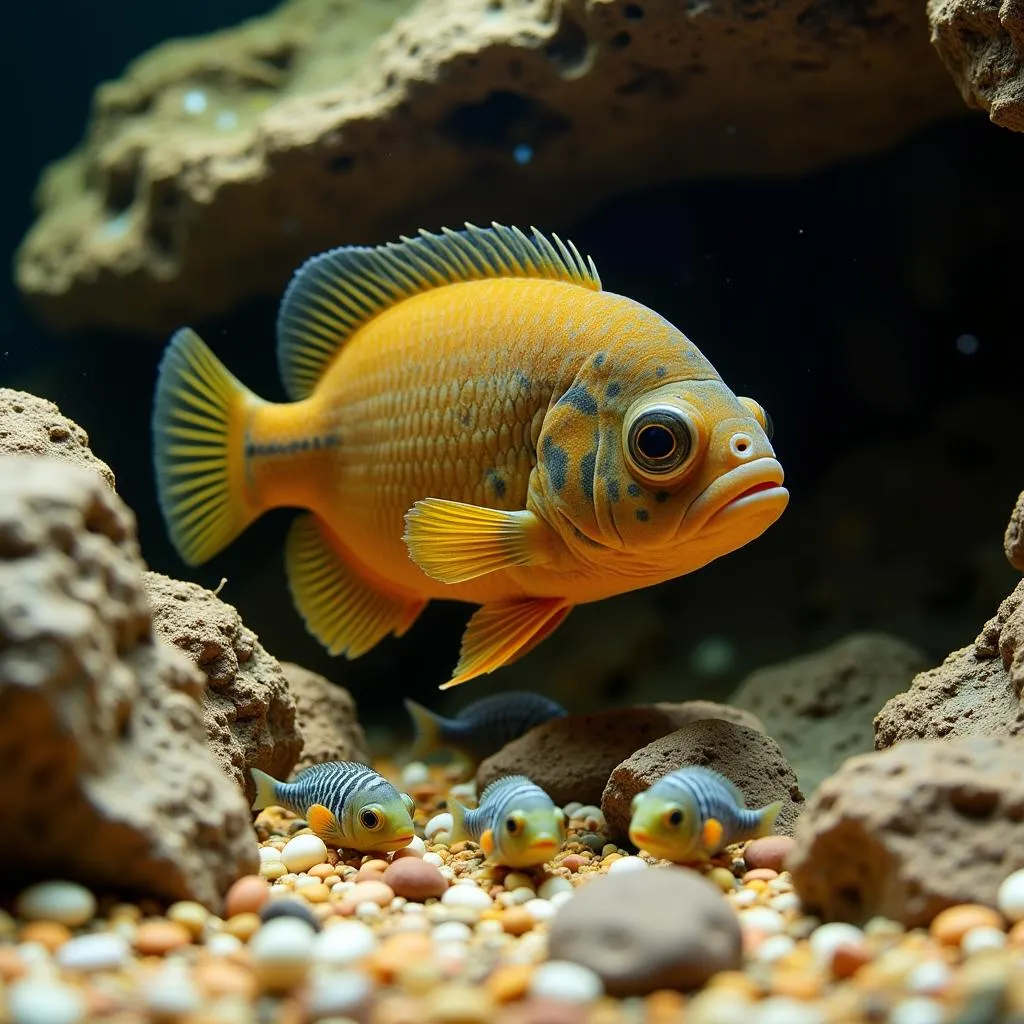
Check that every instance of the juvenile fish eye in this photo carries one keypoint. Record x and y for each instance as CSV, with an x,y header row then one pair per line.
x,y
369,819
675,818
511,825
660,440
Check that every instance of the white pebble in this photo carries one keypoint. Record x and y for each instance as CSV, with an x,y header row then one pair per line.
x,y
1010,896
466,896
433,858
65,902
367,910
785,901
464,792
338,994
344,943
782,1010
562,897
100,951
983,937
540,910
303,852
917,1011
553,885
439,823
762,919
44,1001
929,977
490,929
415,773
417,847
281,951
223,944
567,982
624,864
827,939
588,812
775,947
171,993
743,897
517,880
447,872
414,909
452,931
269,854
570,809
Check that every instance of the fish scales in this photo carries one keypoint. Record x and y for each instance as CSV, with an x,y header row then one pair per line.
x,y
331,784
715,797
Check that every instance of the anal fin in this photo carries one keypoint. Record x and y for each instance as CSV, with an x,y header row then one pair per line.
x,y
344,611
504,631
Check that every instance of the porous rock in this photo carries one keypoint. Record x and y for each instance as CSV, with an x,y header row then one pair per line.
x,y
572,757
750,759
976,691
648,930
1013,541
981,42
820,707
247,706
30,425
216,166
326,716
107,772
906,832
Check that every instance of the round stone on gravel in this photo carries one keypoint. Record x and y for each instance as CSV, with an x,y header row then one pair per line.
x,y
647,930
303,852
281,952
290,906
567,982
1009,897
414,879
66,903
44,1001
769,852
246,896
100,951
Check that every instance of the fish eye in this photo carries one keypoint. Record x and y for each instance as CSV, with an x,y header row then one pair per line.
x,y
760,414
512,825
674,818
370,819
659,440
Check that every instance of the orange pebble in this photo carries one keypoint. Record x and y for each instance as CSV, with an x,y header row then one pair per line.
x,y
951,924
367,892
760,875
243,926
517,921
50,934
246,896
849,959
12,966
155,938
371,870
796,985
1016,936
573,861
218,978
396,953
509,982
321,871
664,1007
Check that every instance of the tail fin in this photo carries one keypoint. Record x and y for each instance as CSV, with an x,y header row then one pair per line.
x,y
428,730
266,790
766,819
458,813
199,420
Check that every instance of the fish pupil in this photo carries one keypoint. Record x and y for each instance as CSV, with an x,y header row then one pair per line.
x,y
511,825
675,818
656,442
369,819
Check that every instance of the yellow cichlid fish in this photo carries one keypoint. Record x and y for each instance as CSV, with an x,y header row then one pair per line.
x,y
472,418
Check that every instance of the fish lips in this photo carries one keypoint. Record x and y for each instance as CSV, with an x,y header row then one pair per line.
x,y
755,487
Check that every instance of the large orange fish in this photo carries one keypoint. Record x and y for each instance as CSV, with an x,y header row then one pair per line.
x,y
472,418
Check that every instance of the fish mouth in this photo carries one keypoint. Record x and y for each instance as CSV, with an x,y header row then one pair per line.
x,y
398,843
543,845
755,486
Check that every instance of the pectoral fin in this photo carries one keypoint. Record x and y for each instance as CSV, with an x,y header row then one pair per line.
x,y
500,633
711,836
487,842
322,821
454,542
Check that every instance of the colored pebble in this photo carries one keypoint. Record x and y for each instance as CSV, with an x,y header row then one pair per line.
x,y
281,952
100,951
827,939
565,981
1010,897
438,823
49,934
157,938
44,1001
190,915
415,879
303,851
951,924
247,895
67,903
289,906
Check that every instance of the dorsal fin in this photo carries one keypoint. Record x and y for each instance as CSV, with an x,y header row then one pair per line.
x,y
334,294
500,783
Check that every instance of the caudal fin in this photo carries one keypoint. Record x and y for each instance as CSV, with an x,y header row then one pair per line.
x,y
199,418
428,731
458,813
266,790
766,819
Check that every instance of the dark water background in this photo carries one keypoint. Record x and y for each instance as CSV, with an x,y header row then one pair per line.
x,y
842,300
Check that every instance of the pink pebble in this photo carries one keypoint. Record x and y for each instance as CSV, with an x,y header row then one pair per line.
x,y
769,852
367,892
415,879
246,896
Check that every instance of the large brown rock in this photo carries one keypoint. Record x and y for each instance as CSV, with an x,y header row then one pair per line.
x,y
215,166
30,425
1013,541
821,707
909,831
326,718
572,757
108,778
976,691
247,705
752,760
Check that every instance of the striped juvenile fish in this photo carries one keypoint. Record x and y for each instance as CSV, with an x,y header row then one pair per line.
x,y
693,813
516,824
472,418
483,727
345,803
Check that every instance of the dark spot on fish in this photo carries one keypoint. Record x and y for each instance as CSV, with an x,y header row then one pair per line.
x,y
557,462
613,389
580,398
292,447
599,359
523,381
495,479
587,466
612,486
642,514
464,418
661,496
633,490
660,371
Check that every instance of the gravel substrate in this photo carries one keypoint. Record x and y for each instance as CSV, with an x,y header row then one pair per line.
x,y
434,935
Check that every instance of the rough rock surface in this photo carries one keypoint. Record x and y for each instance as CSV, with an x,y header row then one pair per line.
x,y
572,757
327,719
820,708
35,426
909,831
248,708
618,926
977,690
107,772
981,42
1014,539
752,760
215,166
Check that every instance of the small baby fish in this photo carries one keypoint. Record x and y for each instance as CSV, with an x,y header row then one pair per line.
x,y
472,418
517,824
483,727
346,804
693,813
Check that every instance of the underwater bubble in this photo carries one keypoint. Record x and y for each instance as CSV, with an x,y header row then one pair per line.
x,y
967,344
226,120
194,101
713,656
522,154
